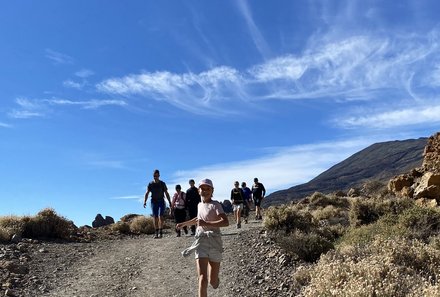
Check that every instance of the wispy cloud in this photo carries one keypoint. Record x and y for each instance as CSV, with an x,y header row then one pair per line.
x,y
89,104
84,73
73,84
57,57
129,197
358,67
255,33
397,117
4,125
29,108
282,168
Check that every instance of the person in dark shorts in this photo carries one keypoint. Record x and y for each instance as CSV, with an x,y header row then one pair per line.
x,y
247,197
258,192
237,203
158,189
192,200
178,207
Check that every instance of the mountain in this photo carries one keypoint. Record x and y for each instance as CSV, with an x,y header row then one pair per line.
x,y
380,161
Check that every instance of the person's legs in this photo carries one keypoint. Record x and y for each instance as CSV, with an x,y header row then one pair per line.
x,y
214,269
202,271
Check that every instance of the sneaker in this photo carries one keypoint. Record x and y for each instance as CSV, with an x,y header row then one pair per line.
x,y
178,235
193,233
160,235
238,225
217,284
156,236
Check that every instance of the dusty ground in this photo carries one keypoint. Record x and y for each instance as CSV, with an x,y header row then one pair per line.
x,y
143,266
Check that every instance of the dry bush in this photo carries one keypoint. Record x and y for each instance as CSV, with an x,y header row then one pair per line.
x,y
121,227
304,246
422,222
331,215
142,224
10,225
396,267
320,200
365,211
47,224
288,219
374,188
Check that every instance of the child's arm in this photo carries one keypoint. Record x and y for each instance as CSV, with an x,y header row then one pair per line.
x,y
187,223
221,222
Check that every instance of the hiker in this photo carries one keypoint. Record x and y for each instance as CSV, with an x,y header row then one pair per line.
x,y
247,203
258,192
192,200
158,189
208,246
237,203
178,208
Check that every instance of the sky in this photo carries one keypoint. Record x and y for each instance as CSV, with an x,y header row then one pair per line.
x,y
95,95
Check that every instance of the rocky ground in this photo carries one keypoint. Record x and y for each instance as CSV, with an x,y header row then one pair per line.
x,y
142,266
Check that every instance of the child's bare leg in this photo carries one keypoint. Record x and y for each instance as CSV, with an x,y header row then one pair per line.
x,y
202,270
214,269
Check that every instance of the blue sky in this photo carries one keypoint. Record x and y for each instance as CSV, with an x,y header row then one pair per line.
x,y
94,95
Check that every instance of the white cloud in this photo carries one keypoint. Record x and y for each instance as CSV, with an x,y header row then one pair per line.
x,y
394,118
4,125
90,104
72,84
57,57
357,67
283,168
255,33
129,197
24,114
84,73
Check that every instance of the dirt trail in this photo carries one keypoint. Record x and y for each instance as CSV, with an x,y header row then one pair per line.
x,y
132,267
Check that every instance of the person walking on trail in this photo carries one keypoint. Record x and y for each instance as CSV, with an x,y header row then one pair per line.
x,y
158,189
237,202
247,203
258,193
192,201
178,208
208,246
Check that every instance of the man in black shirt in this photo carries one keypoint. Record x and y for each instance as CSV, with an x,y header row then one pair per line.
x,y
258,192
158,189
192,201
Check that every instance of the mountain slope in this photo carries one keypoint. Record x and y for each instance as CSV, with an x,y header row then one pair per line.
x,y
380,161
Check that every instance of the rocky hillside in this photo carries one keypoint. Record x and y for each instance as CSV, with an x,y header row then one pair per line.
x,y
380,161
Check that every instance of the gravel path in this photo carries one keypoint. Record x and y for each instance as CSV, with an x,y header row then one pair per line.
x,y
143,266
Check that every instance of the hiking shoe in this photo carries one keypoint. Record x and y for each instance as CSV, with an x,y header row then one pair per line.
x,y
216,285
156,236
160,235
178,235
238,225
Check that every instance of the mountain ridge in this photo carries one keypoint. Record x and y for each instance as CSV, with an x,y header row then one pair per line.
x,y
379,161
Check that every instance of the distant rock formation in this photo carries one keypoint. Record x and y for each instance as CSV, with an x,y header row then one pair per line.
x,y
100,221
422,182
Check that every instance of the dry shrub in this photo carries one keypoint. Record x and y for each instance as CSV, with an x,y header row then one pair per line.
x,y
121,227
396,267
142,224
331,215
47,224
365,211
422,222
304,246
374,188
288,219
320,200
10,225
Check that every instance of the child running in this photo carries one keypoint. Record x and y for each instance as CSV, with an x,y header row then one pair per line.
x,y
208,245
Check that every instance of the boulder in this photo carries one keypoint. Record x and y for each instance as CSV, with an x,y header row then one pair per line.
x,y
399,182
428,186
100,221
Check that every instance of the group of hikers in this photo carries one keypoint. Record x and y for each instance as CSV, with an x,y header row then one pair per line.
x,y
206,216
